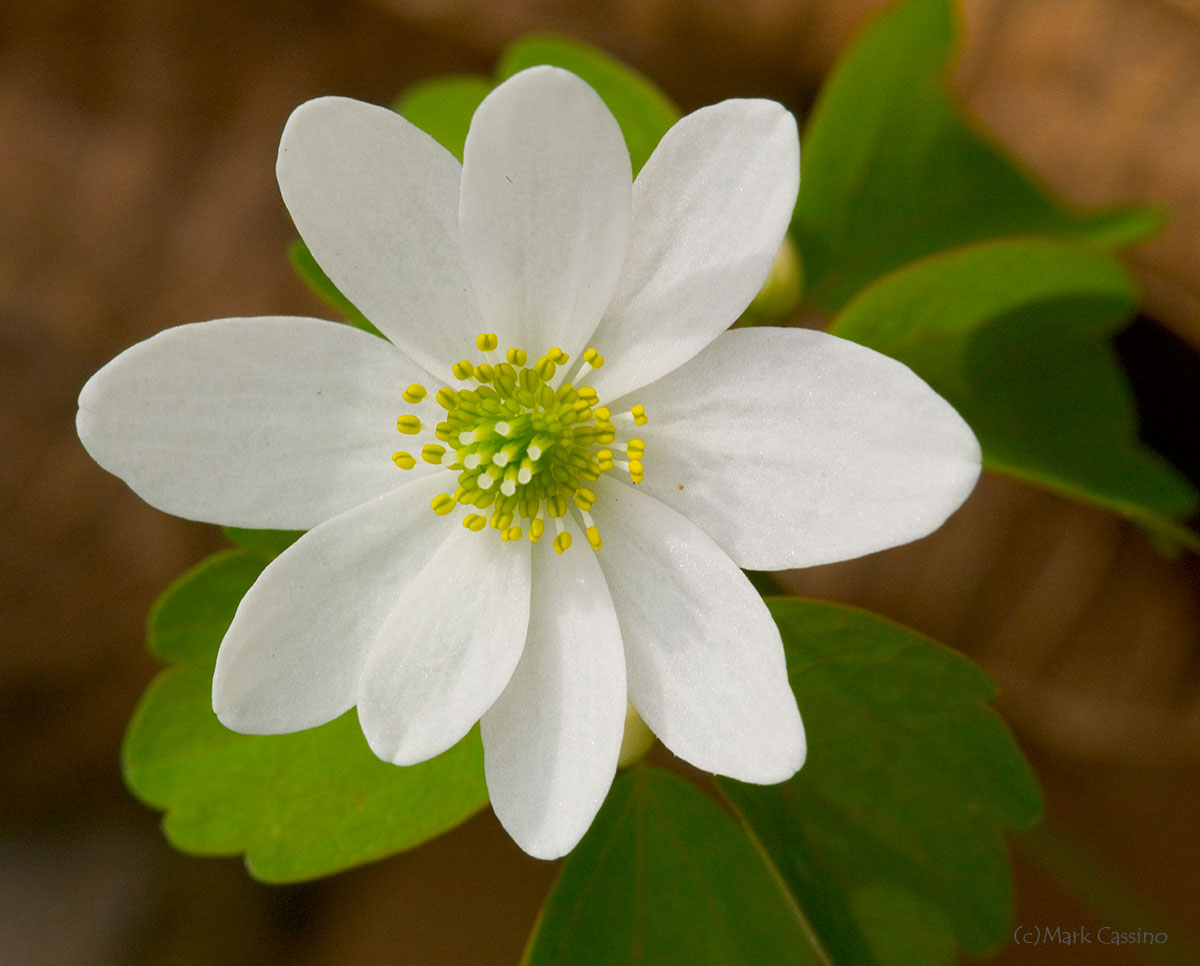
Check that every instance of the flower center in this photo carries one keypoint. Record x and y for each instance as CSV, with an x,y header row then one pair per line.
x,y
525,441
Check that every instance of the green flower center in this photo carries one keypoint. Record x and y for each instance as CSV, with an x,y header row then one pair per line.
x,y
525,442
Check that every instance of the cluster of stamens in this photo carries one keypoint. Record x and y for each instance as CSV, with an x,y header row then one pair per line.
x,y
525,441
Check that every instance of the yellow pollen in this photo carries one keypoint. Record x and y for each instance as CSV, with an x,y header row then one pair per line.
x,y
525,441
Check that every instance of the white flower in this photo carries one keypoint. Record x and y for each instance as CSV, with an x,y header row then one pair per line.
x,y
760,448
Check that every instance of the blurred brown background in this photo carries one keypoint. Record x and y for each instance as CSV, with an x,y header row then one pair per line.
x,y
137,144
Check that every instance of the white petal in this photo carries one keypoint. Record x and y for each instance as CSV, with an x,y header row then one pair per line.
x,y
376,201
545,209
448,649
552,739
293,655
793,448
710,209
704,659
268,422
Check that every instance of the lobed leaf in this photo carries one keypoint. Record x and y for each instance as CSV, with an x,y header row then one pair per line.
x,y
893,172
1015,334
891,836
665,876
298,806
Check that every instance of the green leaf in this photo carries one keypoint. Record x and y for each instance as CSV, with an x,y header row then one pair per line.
x,y
643,111
442,107
314,277
196,609
298,806
1015,334
265,543
664,876
891,836
892,172
902,930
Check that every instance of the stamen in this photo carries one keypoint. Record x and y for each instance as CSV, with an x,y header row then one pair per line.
x,y
562,538
526,442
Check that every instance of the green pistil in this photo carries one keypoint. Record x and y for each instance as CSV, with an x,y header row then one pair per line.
x,y
523,447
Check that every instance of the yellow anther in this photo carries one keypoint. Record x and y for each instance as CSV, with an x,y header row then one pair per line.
x,y
639,415
404,460
525,445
